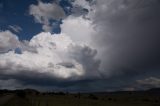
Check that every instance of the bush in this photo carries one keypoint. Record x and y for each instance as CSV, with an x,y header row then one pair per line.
x,y
61,93
21,93
91,96
109,99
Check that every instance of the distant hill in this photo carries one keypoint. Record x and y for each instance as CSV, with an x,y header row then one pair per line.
x,y
152,90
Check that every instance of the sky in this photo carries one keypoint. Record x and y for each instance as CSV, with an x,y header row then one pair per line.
x,y
80,45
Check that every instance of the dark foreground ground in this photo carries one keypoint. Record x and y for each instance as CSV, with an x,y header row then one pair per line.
x,y
34,98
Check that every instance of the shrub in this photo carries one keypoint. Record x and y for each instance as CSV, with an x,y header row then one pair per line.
x,y
91,96
21,93
109,99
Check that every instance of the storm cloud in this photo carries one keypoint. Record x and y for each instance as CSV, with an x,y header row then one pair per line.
x,y
127,34
57,58
103,44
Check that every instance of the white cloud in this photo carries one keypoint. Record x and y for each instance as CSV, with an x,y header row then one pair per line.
x,y
51,50
55,56
69,55
8,41
44,12
79,29
150,82
144,83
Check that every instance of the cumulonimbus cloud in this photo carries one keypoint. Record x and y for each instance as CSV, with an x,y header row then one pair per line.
x,y
114,38
56,56
127,35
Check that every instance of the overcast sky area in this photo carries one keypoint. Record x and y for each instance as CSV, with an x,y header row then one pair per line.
x,y
80,45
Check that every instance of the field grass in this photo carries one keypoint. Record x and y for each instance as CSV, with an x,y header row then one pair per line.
x,y
80,100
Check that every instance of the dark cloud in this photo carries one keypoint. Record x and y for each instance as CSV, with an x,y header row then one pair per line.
x,y
86,56
67,64
129,33
78,11
42,81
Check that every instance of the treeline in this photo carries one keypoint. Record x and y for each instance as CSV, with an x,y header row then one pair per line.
x,y
23,92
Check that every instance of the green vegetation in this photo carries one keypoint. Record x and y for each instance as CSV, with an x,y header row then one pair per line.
x,y
22,98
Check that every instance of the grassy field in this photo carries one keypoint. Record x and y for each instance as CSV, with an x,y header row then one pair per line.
x,y
117,99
